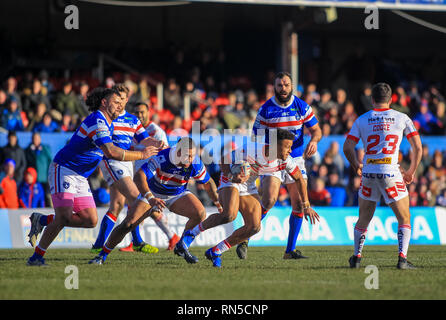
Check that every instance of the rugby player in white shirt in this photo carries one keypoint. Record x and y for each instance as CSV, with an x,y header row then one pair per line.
x,y
381,131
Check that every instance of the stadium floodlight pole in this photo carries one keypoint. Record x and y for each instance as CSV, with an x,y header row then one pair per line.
x,y
186,104
294,61
159,95
286,30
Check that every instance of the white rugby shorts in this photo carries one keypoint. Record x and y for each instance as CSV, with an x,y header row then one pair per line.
x,y
114,170
284,176
170,199
244,189
390,185
63,180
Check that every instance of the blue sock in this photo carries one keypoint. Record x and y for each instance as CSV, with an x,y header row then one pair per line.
x,y
188,237
104,252
107,224
38,253
136,236
295,224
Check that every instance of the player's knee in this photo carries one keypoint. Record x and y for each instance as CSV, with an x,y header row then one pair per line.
x,y
201,215
226,218
117,207
91,222
268,203
253,229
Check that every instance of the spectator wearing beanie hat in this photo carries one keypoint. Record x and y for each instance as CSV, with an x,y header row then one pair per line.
x,y
31,193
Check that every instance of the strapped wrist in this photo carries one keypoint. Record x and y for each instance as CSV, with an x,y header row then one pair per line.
x,y
305,205
149,196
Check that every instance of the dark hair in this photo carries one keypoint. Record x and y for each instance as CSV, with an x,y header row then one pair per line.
x,y
140,103
12,133
282,75
283,134
121,88
95,97
186,142
381,92
47,114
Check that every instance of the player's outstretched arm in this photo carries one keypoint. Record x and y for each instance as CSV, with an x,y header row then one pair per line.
x,y
415,143
302,190
113,152
152,142
211,190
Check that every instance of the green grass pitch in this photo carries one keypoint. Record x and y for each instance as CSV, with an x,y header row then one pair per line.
x,y
264,275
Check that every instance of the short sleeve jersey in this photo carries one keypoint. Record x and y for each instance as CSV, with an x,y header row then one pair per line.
x,y
381,132
164,177
292,117
83,154
127,128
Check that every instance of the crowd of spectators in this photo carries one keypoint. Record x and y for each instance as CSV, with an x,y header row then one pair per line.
x,y
39,103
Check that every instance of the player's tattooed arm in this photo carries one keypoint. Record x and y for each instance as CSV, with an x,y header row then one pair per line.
x,y
316,136
140,180
302,190
113,152
149,141
211,190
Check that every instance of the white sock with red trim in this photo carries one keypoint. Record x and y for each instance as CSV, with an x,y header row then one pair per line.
x,y
197,229
359,236
221,247
404,232
162,223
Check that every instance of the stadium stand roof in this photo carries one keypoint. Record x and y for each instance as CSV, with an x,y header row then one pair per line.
x,y
428,5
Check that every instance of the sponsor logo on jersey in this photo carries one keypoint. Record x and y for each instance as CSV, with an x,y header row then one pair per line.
x,y
378,175
102,133
381,119
380,161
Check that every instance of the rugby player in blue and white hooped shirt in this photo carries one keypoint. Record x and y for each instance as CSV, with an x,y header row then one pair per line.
x,y
73,164
286,111
141,110
165,176
119,175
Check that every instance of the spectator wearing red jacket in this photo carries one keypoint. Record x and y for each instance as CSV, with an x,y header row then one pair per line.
x,y
8,186
319,196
